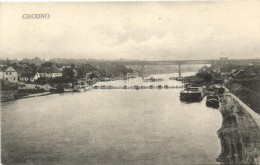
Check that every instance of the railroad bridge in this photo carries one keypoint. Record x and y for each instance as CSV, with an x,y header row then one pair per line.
x,y
179,63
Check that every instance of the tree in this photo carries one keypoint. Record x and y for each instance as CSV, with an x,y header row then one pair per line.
x,y
207,77
47,65
42,80
37,61
68,73
60,89
86,68
93,75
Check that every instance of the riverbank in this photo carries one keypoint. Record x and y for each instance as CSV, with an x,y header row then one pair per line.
x,y
240,132
249,97
8,95
29,90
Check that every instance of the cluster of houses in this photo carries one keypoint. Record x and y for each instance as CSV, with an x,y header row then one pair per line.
x,y
8,73
247,72
237,72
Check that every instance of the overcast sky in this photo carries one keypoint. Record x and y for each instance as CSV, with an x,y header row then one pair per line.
x,y
133,30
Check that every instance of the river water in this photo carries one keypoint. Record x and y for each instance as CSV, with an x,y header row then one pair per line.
x,y
116,126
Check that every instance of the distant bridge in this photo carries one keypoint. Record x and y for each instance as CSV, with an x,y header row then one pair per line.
x,y
184,62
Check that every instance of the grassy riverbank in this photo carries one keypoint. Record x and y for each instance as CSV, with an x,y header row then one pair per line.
x,y
8,95
249,97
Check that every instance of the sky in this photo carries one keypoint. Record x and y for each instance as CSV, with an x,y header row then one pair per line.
x,y
132,30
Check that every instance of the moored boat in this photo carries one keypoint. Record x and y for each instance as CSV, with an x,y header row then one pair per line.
x,y
151,79
213,101
191,94
82,88
68,89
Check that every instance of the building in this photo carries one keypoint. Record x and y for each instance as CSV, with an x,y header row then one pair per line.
x,y
29,77
8,74
51,72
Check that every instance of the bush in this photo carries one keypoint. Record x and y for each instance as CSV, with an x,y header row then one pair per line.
x,y
59,89
5,85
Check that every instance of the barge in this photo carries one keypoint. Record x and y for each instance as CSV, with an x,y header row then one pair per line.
x,y
192,94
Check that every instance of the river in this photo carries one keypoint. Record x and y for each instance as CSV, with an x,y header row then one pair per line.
x,y
116,126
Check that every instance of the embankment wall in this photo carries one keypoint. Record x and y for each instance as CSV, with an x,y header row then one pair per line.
x,y
240,132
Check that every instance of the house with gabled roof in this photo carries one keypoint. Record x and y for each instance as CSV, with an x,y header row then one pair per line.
x,y
29,77
51,72
9,74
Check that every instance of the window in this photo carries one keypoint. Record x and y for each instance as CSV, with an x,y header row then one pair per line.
x,y
10,73
14,78
6,73
6,78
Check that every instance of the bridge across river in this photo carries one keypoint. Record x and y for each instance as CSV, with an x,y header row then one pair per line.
x,y
185,62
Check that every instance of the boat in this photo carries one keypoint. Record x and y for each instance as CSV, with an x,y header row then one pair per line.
x,y
151,79
96,87
136,87
102,87
216,89
159,86
82,88
68,89
192,94
213,101
187,85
